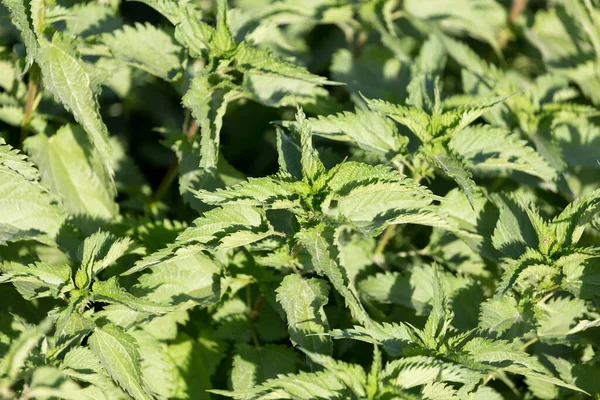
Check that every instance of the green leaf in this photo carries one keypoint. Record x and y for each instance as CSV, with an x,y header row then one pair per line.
x,y
190,31
27,211
414,119
303,386
372,198
94,247
376,73
189,276
480,19
318,241
110,292
38,279
312,167
71,167
439,319
158,369
81,364
556,316
66,77
20,349
514,231
569,225
208,104
371,131
118,353
409,372
581,274
453,166
303,301
394,338
252,366
216,224
490,150
255,61
353,376
147,48
49,382
20,20
196,361
268,192
499,315
222,42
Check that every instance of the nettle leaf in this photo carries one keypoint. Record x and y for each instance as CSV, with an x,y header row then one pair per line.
x,y
439,318
415,371
190,31
313,170
222,42
569,225
531,264
394,338
318,241
81,364
556,316
215,226
252,366
19,19
20,349
47,382
268,192
371,131
208,103
95,253
158,369
27,210
373,197
490,150
67,78
38,279
303,301
448,161
375,72
71,167
119,355
89,19
188,276
147,48
255,61
413,118
565,36
353,376
500,314
514,230
481,19
275,83
581,274
299,386
110,292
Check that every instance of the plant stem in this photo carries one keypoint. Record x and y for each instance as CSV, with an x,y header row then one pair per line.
x,y
517,9
385,238
487,378
173,168
29,106
528,343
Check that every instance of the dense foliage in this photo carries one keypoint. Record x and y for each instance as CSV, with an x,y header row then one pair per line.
x,y
381,199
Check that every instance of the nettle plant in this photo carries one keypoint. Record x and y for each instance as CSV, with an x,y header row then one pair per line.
x,y
417,218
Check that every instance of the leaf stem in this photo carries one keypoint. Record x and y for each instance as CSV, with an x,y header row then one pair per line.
x,y
487,378
517,9
173,168
30,105
529,343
